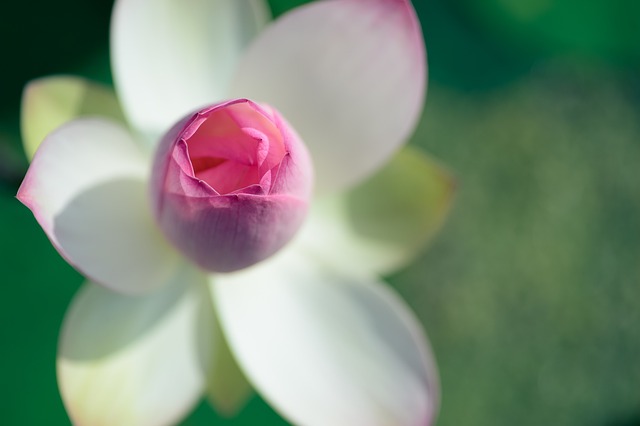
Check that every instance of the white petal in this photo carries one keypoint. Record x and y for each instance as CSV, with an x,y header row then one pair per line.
x,y
127,360
349,75
381,224
86,187
171,57
326,349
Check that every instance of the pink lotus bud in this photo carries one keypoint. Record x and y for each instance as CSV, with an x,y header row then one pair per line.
x,y
230,185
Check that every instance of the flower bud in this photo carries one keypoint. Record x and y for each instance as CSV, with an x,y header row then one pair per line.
x,y
230,185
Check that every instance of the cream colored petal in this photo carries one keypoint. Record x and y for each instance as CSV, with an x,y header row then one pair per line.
x,y
126,360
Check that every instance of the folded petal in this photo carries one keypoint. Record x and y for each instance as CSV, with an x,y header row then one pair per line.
x,y
125,360
349,75
171,57
327,349
380,225
87,188
50,102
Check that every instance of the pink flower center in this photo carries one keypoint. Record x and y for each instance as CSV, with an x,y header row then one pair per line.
x,y
236,147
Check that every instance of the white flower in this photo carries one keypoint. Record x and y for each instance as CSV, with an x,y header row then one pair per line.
x,y
312,328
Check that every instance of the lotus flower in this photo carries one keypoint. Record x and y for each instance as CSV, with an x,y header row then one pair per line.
x,y
184,202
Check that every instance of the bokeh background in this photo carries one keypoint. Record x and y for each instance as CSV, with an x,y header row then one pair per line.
x,y
531,292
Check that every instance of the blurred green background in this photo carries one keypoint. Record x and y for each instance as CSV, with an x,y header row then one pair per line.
x,y
530,293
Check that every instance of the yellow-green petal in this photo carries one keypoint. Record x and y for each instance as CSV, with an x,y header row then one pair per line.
x,y
50,102
380,225
227,388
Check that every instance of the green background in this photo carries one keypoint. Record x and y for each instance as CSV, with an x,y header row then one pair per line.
x,y
529,294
